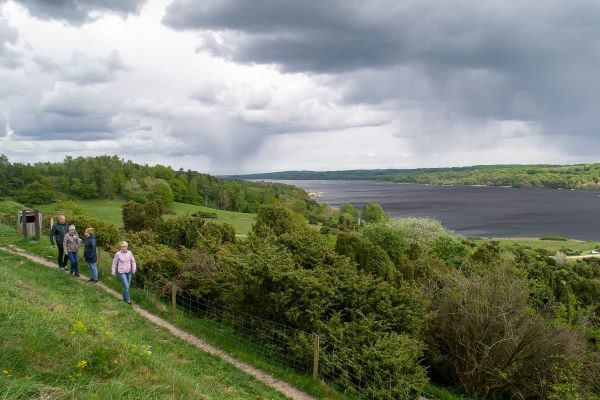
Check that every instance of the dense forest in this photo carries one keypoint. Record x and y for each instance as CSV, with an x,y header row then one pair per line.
x,y
581,176
108,177
400,302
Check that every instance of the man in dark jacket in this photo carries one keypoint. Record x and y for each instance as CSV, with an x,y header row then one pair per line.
x,y
57,235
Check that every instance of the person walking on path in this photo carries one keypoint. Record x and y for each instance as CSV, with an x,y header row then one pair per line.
x,y
57,235
124,265
71,245
89,254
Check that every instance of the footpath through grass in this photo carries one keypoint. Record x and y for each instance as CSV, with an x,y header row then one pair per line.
x,y
62,338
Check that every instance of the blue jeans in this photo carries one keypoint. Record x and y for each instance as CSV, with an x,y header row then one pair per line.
x,y
93,271
125,278
74,261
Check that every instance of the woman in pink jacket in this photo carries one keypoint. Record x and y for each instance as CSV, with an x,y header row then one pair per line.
x,y
124,265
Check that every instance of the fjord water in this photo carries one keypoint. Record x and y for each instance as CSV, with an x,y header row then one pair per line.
x,y
474,210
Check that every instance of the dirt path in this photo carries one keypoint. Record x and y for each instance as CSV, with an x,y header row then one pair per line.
x,y
269,380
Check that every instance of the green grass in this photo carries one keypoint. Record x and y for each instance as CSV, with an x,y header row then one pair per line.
x,y
110,211
66,339
104,210
242,222
439,393
219,335
576,246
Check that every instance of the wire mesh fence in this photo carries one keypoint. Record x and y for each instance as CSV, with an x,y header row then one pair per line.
x,y
289,347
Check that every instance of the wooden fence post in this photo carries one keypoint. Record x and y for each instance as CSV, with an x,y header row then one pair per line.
x,y
316,358
38,228
24,222
174,300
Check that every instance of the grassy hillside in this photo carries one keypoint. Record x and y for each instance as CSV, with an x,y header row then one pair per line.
x,y
110,211
62,338
220,336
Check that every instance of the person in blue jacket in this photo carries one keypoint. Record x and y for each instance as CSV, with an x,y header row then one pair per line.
x,y
89,254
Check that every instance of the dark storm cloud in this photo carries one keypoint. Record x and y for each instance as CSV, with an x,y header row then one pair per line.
x,y
68,112
79,11
486,60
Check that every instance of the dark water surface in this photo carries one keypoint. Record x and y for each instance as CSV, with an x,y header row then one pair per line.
x,y
475,210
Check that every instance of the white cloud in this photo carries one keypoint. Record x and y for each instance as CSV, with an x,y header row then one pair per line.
x,y
216,94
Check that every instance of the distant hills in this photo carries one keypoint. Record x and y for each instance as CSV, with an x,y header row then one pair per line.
x,y
578,176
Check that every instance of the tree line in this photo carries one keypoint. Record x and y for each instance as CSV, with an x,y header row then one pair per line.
x,y
108,177
580,176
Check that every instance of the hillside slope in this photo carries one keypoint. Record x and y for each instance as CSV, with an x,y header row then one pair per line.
x,y
61,338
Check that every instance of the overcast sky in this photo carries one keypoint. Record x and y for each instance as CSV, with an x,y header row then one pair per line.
x,y
236,86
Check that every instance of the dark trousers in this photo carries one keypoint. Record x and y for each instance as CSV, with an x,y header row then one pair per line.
x,y
62,257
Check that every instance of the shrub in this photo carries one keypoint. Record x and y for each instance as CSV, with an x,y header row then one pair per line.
x,y
205,214
373,213
369,257
133,216
388,238
36,193
450,249
158,265
107,235
179,231
275,220
151,214
485,339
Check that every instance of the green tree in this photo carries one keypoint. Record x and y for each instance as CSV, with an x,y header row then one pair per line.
x,y
369,257
36,193
133,216
373,213
275,220
133,191
485,339
388,238
162,191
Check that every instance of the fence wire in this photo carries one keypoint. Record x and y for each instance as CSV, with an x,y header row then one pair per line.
x,y
291,347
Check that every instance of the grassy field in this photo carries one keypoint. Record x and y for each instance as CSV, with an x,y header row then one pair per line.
x,y
64,339
110,211
242,222
577,246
